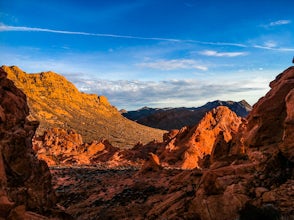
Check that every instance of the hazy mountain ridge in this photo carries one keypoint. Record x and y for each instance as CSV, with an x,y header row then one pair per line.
x,y
176,118
56,102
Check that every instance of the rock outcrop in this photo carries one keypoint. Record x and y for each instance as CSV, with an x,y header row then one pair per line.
x,y
57,103
59,147
272,120
25,181
152,164
190,145
66,147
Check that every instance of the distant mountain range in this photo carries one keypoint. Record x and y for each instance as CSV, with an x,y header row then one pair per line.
x,y
176,118
56,103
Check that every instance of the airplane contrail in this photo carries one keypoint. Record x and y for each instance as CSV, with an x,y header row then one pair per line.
x,y
4,27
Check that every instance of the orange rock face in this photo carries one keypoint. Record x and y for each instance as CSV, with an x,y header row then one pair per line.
x,y
24,180
60,147
189,145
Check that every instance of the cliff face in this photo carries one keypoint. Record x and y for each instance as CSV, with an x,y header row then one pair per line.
x,y
25,182
55,102
272,119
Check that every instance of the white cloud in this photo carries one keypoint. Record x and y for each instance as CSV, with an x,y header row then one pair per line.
x,y
133,94
221,54
279,22
173,64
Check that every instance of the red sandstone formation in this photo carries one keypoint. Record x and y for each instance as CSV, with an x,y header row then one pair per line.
x,y
60,147
185,148
271,123
152,164
25,181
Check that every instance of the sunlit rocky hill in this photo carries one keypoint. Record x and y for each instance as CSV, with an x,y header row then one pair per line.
x,y
56,102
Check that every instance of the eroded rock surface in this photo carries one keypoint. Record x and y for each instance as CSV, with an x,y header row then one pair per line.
x,y
190,145
25,181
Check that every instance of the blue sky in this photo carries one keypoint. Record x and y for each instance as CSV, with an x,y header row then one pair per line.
x,y
157,53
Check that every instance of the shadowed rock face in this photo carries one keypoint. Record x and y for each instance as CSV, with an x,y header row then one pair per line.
x,y
25,181
272,120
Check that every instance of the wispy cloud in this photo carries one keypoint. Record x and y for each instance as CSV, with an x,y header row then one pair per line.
x,y
4,27
272,45
283,49
279,22
173,64
221,54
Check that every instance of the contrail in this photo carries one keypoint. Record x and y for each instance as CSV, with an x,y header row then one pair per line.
x,y
4,27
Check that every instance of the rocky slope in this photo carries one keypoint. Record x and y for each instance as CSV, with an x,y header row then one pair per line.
x,y
251,176
25,182
55,102
186,148
176,118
